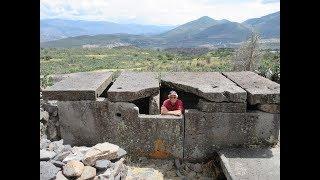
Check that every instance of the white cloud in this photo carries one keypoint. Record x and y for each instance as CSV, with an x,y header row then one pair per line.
x,y
156,11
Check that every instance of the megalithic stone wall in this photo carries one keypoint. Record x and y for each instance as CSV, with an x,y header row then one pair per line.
x,y
91,122
207,132
229,112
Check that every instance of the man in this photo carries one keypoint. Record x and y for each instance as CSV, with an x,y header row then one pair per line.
x,y
173,105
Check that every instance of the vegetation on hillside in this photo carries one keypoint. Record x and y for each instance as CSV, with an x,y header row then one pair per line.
x,y
69,60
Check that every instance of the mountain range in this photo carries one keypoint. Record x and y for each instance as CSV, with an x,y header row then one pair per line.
x,y
204,31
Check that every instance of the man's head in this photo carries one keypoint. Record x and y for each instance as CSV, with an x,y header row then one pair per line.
x,y
173,96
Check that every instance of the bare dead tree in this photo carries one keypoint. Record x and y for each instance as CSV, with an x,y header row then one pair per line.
x,y
248,54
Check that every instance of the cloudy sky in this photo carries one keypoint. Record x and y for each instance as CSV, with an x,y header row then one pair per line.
x,y
158,12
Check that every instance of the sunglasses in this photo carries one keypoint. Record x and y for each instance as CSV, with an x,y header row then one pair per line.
x,y
173,97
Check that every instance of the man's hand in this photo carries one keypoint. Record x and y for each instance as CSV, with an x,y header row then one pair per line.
x,y
177,113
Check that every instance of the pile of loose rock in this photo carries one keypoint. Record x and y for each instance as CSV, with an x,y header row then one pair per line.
x,y
49,119
102,161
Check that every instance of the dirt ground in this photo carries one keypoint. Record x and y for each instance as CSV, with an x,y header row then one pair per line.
x,y
175,169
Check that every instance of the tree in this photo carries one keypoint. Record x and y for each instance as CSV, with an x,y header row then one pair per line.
x,y
248,54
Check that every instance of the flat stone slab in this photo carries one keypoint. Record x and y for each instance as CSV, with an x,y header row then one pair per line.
x,y
251,164
130,86
80,86
228,107
260,90
212,86
207,132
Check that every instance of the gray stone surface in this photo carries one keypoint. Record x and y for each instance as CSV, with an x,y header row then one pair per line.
x,y
207,132
91,122
57,163
46,155
130,86
83,86
260,90
270,108
228,107
251,164
47,170
60,176
154,104
102,164
44,143
212,86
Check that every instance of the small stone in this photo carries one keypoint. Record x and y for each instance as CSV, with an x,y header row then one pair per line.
x,y
46,155
44,143
102,164
75,156
47,170
66,147
197,168
62,155
57,163
100,151
143,173
88,173
73,169
44,116
121,153
56,146
80,149
60,176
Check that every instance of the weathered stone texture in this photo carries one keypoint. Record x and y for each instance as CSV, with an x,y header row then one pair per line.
x,y
212,86
91,122
130,86
207,132
82,86
270,108
228,107
260,90
250,164
154,104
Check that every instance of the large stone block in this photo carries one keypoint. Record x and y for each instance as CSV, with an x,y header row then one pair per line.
x,y
260,90
130,86
160,136
227,107
212,86
250,163
81,86
90,122
207,132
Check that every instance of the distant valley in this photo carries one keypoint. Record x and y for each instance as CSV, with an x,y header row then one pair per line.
x,y
202,32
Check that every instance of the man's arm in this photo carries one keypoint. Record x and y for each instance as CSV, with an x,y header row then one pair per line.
x,y
165,111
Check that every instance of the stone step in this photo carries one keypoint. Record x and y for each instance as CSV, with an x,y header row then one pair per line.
x,y
251,164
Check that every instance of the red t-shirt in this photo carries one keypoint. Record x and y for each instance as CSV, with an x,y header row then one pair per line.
x,y
172,107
